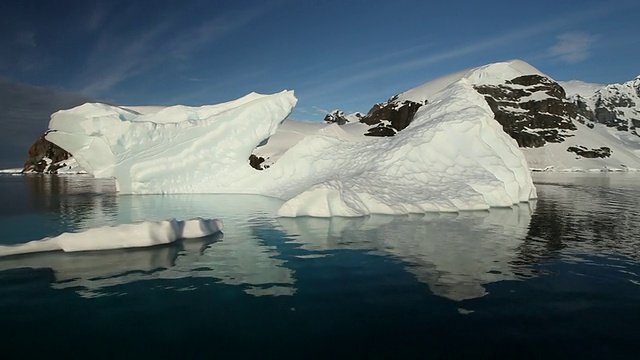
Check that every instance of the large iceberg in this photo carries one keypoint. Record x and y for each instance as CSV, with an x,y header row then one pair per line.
x,y
453,156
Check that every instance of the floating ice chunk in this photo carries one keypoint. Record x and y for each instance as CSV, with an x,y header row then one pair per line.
x,y
142,234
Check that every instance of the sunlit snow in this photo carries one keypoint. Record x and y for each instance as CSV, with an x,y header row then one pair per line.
x,y
453,156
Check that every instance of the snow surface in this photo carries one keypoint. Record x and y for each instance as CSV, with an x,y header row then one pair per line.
x,y
491,74
581,88
142,234
624,146
625,149
453,156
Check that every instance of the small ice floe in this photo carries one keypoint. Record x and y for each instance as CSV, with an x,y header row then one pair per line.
x,y
141,234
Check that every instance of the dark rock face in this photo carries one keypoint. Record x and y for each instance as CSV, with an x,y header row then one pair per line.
x,y
386,119
45,157
257,162
336,116
616,106
532,109
602,152
584,111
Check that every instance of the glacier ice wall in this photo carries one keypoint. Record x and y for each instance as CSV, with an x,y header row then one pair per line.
x,y
452,157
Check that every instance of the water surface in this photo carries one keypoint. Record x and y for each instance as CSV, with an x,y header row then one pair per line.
x,y
559,276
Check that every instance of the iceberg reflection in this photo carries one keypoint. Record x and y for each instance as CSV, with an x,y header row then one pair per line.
x,y
454,254
92,271
241,259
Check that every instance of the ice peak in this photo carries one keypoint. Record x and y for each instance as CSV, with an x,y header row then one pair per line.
x,y
498,73
490,74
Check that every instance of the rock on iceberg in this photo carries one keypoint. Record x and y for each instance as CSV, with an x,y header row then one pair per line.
x,y
453,156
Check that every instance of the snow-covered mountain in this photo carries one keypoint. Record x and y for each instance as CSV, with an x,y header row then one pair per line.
x,y
615,105
563,126
605,136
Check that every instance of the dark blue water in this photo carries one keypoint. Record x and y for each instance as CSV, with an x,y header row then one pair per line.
x,y
559,277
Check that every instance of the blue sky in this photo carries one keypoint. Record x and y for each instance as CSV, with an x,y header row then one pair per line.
x,y
334,54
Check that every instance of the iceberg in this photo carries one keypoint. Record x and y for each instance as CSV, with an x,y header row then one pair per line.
x,y
452,157
141,234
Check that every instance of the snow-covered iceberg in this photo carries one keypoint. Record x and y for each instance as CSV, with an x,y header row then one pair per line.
x,y
141,234
453,156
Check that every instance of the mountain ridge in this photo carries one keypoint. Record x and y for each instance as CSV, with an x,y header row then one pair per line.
x,y
590,127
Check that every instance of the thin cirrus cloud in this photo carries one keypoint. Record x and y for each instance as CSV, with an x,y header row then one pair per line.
x,y
492,42
154,46
573,47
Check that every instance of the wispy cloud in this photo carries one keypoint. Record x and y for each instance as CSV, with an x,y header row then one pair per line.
x,y
573,47
24,114
207,91
26,39
186,42
319,110
114,60
21,53
97,15
505,38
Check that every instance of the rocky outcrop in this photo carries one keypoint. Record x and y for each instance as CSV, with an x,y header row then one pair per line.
x,y
602,152
45,157
257,162
336,116
532,109
387,118
384,119
616,106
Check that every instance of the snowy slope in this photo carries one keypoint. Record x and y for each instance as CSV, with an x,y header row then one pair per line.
x,y
587,117
581,88
491,74
611,114
554,156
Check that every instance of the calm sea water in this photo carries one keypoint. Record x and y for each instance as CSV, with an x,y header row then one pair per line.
x,y
559,277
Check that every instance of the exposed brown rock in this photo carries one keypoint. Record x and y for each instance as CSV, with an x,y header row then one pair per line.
x,y
45,157
336,116
256,162
388,118
602,152
532,122
616,106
